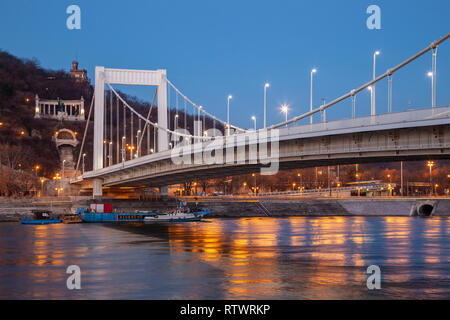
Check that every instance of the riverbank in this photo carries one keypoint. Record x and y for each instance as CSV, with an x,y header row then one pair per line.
x,y
16,209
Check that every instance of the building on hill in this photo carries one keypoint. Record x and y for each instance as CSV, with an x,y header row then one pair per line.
x,y
78,75
70,110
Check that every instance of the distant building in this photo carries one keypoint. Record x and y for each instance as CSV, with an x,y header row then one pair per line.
x,y
78,75
70,110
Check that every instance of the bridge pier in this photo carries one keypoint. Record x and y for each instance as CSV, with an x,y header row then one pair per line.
x,y
164,191
97,191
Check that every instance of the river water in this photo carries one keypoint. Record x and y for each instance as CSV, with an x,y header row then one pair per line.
x,y
246,258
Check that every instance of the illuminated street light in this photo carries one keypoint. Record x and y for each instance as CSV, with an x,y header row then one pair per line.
x,y
430,164
84,156
372,109
311,95
431,75
285,109
228,113
254,120
267,85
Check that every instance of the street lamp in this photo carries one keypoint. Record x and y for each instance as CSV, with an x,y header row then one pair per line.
x,y
42,186
301,179
372,110
265,102
430,164
228,114
175,124
62,177
371,98
285,108
254,120
84,156
311,95
431,75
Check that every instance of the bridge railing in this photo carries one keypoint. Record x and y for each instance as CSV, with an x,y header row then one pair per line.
x,y
410,116
324,190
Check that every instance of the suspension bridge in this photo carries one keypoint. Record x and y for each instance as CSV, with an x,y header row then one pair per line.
x,y
130,148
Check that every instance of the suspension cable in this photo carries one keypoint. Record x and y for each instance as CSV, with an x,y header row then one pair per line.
x,y
433,45
85,132
202,109
133,111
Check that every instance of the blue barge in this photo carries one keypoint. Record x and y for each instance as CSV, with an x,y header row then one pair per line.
x,y
99,217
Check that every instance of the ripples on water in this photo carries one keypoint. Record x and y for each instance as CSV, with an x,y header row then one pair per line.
x,y
248,258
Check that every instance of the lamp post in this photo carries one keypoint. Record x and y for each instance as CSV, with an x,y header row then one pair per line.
x,y
371,98
42,186
198,121
431,75
62,177
285,108
228,114
390,184
265,102
301,178
372,111
175,122
84,156
430,164
155,134
311,95
254,121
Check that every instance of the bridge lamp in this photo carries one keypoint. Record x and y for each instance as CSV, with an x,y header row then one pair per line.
x,y
228,113
267,85
285,109
254,120
311,95
431,75
84,156
372,109
430,164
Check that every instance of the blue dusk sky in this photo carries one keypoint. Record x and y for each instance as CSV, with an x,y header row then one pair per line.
x,y
215,48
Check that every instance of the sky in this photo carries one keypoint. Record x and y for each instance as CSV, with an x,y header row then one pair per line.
x,y
211,49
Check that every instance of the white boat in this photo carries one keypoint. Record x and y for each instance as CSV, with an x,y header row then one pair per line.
x,y
178,215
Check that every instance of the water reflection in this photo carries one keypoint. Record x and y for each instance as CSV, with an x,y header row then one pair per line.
x,y
248,258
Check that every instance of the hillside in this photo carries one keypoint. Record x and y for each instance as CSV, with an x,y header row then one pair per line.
x,y
20,81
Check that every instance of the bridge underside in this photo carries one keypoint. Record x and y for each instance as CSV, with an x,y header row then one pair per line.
x,y
403,144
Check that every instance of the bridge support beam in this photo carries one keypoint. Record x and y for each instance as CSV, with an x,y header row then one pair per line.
x,y
98,118
97,191
164,191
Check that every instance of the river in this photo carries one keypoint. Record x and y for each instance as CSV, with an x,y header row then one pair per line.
x,y
245,258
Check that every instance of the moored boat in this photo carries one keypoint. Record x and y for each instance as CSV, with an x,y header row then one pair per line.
x,y
178,215
40,217
181,214
102,217
71,218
